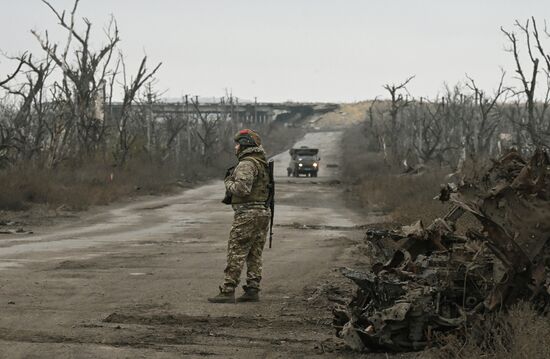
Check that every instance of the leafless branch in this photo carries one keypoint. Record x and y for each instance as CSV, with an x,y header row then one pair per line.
x,y
14,73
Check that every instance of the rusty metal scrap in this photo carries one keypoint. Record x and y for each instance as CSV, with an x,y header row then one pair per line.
x,y
429,279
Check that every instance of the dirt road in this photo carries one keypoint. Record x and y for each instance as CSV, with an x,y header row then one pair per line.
x,y
131,281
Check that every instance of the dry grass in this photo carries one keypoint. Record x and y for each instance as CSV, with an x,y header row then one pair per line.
x,y
77,189
408,198
521,333
79,186
379,186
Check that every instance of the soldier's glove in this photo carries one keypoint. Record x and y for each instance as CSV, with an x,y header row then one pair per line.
x,y
227,198
229,172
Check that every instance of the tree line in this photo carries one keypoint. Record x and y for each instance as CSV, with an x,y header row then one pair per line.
x,y
466,123
74,103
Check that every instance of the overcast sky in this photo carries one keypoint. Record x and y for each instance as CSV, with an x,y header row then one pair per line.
x,y
301,50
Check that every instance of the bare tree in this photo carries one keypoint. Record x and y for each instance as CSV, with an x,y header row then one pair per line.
x,y
398,103
206,131
131,87
7,132
28,121
84,72
14,73
481,127
536,122
428,129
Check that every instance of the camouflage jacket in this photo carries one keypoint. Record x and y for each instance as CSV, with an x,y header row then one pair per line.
x,y
248,183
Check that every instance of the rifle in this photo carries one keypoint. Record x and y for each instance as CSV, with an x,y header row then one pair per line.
x,y
227,198
271,198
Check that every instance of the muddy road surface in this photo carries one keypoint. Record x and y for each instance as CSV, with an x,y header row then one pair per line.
x,y
131,281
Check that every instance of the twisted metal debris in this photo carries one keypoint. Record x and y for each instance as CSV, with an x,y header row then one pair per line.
x,y
433,280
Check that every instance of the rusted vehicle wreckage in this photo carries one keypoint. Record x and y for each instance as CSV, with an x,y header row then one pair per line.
x,y
432,279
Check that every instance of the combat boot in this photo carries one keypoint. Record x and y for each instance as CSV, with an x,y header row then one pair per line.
x,y
223,297
250,295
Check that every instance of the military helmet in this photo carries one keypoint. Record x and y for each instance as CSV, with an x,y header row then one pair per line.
x,y
248,138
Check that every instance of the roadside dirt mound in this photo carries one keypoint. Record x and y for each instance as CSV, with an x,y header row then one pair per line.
x,y
347,114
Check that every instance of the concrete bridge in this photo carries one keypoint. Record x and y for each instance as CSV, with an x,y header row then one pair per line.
x,y
247,113
242,113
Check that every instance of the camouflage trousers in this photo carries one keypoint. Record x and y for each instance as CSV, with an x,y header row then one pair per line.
x,y
246,244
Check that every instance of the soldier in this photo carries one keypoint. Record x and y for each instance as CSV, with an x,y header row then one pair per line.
x,y
248,187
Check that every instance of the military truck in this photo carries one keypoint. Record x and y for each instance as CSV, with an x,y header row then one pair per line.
x,y
303,160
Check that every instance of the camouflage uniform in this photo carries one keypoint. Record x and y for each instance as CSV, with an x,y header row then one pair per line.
x,y
248,187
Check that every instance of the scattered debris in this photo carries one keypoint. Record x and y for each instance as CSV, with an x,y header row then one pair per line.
x,y
416,170
332,293
15,231
433,280
16,227
322,227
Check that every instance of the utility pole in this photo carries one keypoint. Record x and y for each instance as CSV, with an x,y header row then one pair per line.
x,y
232,111
149,120
198,118
180,128
255,109
188,124
237,111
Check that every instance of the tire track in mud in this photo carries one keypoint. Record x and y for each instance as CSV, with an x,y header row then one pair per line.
x,y
177,333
